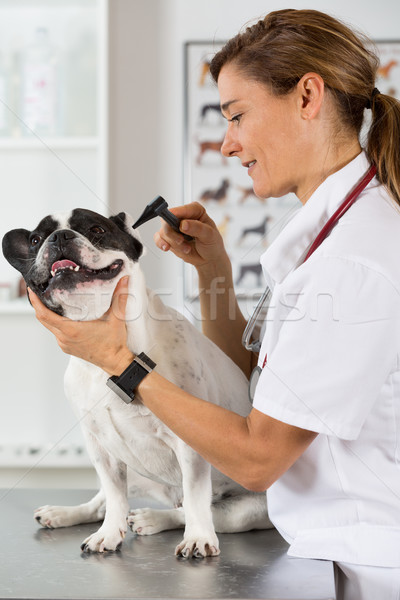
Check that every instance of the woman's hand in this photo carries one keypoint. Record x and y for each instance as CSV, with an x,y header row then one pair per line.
x,y
101,342
207,247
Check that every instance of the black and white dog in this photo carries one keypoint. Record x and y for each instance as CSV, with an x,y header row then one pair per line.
x,y
73,262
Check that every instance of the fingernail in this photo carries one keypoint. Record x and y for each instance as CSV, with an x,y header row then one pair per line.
x,y
185,226
124,281
186,249
164,247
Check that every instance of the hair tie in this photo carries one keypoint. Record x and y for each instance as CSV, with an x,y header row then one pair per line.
x,y
370,100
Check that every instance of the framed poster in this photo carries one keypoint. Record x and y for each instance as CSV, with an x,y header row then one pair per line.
x,y
247,224
388,76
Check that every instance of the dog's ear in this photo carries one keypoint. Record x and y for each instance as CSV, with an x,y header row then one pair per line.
x,y
16,249
125,222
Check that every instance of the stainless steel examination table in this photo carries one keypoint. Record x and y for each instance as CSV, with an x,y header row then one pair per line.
x,y
42,563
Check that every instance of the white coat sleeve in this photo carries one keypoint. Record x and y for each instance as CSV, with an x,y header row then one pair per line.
x,y
333,342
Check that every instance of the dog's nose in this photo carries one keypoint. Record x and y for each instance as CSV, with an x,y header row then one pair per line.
x,y
62,235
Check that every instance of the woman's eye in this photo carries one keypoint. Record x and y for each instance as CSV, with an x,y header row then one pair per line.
x,y
35,240
236,119
97,229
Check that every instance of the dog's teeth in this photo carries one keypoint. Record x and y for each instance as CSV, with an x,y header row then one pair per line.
x,y
76,268
53,273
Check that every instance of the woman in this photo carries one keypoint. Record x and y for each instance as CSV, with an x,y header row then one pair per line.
x,y
321,436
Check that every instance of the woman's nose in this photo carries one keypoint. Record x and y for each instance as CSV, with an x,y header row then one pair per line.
x,y
230,145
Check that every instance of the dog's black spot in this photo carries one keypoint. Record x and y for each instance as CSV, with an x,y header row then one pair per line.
x,y
21,246
115,235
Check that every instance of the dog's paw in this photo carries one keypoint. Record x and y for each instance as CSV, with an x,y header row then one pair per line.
x,y
106,539
198,547
147,521
54,516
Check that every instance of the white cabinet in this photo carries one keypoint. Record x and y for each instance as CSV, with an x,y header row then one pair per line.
x,y
53,142
53,157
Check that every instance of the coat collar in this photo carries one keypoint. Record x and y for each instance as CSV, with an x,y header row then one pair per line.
x,y
290,247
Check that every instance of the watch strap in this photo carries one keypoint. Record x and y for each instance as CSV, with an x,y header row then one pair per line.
x,y
124,385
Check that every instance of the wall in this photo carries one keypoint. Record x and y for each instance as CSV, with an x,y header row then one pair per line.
x,y
146,135
147,95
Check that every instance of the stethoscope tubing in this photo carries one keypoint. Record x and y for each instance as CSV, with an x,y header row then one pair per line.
x,y
322,235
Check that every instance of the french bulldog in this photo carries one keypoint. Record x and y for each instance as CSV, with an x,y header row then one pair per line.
x,y
73,262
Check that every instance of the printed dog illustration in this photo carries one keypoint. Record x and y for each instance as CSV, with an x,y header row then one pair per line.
x,y
259,230
218,194
210,146
253,269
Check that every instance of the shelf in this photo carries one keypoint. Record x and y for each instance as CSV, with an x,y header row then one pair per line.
x,y
52,143
44,455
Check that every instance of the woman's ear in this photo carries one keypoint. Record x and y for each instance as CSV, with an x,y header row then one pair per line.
x,y
311,90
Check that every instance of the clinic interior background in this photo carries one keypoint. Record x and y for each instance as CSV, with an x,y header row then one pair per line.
x,y
143,126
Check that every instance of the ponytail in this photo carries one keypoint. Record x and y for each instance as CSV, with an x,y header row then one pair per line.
x,y
279,49
383,142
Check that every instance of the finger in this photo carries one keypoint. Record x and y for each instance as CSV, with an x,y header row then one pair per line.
x,y
193,210
202,232
167,239
172,237
46,316
160,242
119,300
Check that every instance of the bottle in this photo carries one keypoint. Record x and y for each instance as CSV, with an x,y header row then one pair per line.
x,y
40,86
81,82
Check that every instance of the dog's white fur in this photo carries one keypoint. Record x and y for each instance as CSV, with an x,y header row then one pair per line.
x,y
133,452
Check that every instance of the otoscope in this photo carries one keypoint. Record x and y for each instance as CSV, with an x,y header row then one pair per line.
x,y
159,208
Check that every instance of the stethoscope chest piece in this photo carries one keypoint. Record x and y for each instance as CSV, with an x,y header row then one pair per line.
x,y
254,377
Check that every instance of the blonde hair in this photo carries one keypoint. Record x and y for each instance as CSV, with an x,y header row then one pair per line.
x,y
286,44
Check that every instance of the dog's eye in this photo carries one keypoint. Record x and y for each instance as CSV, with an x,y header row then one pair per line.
x,y
97,229
35,240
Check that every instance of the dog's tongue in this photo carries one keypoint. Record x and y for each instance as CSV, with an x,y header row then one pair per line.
x,y
63,264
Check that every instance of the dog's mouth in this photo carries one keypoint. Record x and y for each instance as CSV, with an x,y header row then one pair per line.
x,y
69,272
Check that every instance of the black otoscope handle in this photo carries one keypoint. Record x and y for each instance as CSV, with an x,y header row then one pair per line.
x,y
174,222
159,208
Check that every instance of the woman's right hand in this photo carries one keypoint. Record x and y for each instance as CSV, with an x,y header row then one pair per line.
x,y
207,248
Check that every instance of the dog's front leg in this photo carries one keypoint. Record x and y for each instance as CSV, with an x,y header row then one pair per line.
x,y
199,539
64,516
113,478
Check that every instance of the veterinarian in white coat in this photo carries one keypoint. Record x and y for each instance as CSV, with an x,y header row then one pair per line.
x,y
323,434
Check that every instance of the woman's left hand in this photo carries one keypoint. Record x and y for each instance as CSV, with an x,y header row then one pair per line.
x,y
102,342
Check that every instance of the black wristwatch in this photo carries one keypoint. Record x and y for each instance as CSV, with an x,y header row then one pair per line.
x,y
124,385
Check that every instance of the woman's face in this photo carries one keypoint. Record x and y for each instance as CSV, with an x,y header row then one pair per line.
x,y
264,131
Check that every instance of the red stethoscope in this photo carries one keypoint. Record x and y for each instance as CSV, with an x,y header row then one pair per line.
x,y
255,346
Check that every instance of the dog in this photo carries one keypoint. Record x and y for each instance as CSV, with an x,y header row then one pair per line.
x,y
204,72
218,194
260,230
214,109
210,146
223,226
254,269
73,262
248,192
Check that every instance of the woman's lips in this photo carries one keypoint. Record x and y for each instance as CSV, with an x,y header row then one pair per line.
x,y
250,166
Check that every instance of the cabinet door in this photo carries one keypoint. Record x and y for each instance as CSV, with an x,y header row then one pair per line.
x,y
53,158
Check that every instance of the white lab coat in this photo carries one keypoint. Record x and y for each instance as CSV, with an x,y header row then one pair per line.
x,y
333,345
